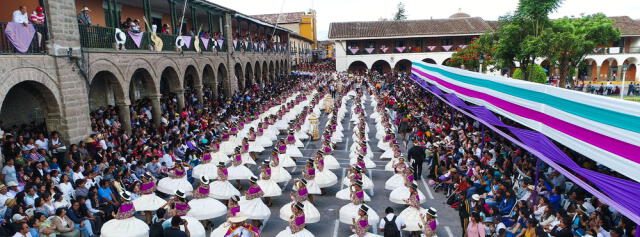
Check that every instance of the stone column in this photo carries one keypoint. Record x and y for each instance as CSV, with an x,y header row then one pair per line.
x,y
199,94
180,98
156,110
231,85
125,117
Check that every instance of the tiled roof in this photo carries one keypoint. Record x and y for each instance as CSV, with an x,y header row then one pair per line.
x,y
627,25
373,29
289,17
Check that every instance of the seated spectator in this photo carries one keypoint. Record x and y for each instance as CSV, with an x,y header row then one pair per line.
x,y
37,16
20,16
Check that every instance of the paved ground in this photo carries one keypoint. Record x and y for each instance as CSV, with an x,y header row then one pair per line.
x,y
328,205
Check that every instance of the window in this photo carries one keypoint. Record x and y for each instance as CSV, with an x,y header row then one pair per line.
x,y
446,41
399,43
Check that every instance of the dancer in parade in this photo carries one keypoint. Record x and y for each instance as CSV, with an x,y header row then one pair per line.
x,y
148,201
221,188
297,223
124,222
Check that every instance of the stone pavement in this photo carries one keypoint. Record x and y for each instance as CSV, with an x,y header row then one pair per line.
x,y
329,205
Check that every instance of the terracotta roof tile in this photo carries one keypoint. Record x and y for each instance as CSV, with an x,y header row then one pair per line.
x,y
372,29
627,25
289,17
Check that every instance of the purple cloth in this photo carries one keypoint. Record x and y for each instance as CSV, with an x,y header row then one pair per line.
x,y
220,42
282,148
327,149
360,195
432,225
290,138
253,190
235,210
137,38
206,157
205,43
225,172
311,171
187,41
125,207
363,223
147,186
238,157
181,206
202,190
20,36
302,192
268,171
300,220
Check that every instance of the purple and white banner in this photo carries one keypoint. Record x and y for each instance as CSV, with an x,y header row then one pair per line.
x,y
354,50
369,50
137,38
19,35
432,47
384,49
187,41
462,46
205,42
447,47
400,49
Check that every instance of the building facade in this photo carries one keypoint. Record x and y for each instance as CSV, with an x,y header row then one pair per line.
x,y
301,49
386,46
71,69
326,50
303,27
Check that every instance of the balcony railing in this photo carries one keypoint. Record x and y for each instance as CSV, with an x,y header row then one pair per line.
x,y
616,50
405,49
37,45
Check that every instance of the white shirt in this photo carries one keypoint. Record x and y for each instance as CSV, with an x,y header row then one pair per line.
x,y
21,235
19,17
399,221
43,144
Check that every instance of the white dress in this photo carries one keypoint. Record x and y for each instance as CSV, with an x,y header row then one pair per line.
x,y
293,151
148,202
206,208
366,182
286,161
345,194
311,213
330,162
239,172
269,187
222,190
394,182
402,193
302,233
209,170
195,227
169,185
326,178
130,227
350,211
411,218
254,209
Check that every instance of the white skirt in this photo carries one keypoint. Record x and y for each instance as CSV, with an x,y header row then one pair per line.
x,y
293,151
368,163
326,178
130,227
247,160
219,157
330,162
411,218
228,147
239,172
286,161
255,147
312,187
350,211
264,141
388,154
148,202
402,193
270,188
170,185
221,230
389,165
302,233
311,213
383,145
206,208
345,194
254,209
366,182
279,174
210,170
301,135
222,190
195,227
394,182
366,235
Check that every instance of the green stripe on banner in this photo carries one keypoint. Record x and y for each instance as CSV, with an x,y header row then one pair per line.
x,y
605,116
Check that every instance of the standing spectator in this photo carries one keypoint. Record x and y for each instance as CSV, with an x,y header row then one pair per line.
x,y
20,16
475,227
83,16
23,231
37,16
391,224
165,29
174,230
417,156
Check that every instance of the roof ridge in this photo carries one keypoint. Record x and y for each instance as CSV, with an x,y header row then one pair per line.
x,y
412,20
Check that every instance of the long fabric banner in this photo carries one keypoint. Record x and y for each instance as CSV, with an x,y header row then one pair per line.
x,y
604,129
619,192
20,36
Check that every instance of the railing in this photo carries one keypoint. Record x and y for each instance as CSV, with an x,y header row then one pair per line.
x,y
616,50
97,37
37,45
248,46
397,50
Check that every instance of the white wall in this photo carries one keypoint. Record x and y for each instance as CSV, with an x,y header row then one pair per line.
x,y
343,60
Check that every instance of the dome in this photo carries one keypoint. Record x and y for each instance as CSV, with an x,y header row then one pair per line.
x,y
460,15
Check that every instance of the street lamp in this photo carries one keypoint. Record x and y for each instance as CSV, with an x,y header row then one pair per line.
x,y
624,70
481,61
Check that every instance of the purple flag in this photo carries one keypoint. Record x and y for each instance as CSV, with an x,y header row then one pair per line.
x,y
19,35
205,42
462,46
137,38
354,50
446,47
384,49
220,42
400,49
431,48
369,50
187,40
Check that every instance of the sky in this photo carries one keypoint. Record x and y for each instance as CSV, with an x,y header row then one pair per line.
x,y
328,11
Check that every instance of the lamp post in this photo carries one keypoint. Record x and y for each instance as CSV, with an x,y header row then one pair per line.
x,y
624,70
481,61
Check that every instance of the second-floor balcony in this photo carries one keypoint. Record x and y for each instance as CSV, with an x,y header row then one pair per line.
x,y
616,50
19,42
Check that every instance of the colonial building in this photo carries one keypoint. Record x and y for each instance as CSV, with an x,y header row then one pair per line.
x,y
392,45
68,69
300,48
326,50
304,38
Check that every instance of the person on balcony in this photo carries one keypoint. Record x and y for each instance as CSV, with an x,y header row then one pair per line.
x,y
37,17
83,16
20,16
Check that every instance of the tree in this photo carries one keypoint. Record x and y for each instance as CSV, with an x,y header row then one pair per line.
x,y
570,40
401,13
484,46
537,74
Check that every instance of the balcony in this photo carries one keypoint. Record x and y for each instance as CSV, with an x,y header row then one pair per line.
x,y
616,50
260,46
404,49
37,45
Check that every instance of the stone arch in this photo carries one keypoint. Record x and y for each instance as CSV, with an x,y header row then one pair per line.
x,y
29,94
630,73
105,89
608,69
141,85
429,60
145,64
381,66
191,78
403,65
237,69
265,72
257,73
170,82
248,75
223,80
209,82
271,71
357,67
445,61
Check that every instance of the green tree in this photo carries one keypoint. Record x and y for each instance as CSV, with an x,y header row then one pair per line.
x,y
570,40
400,13
536,74
484,46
